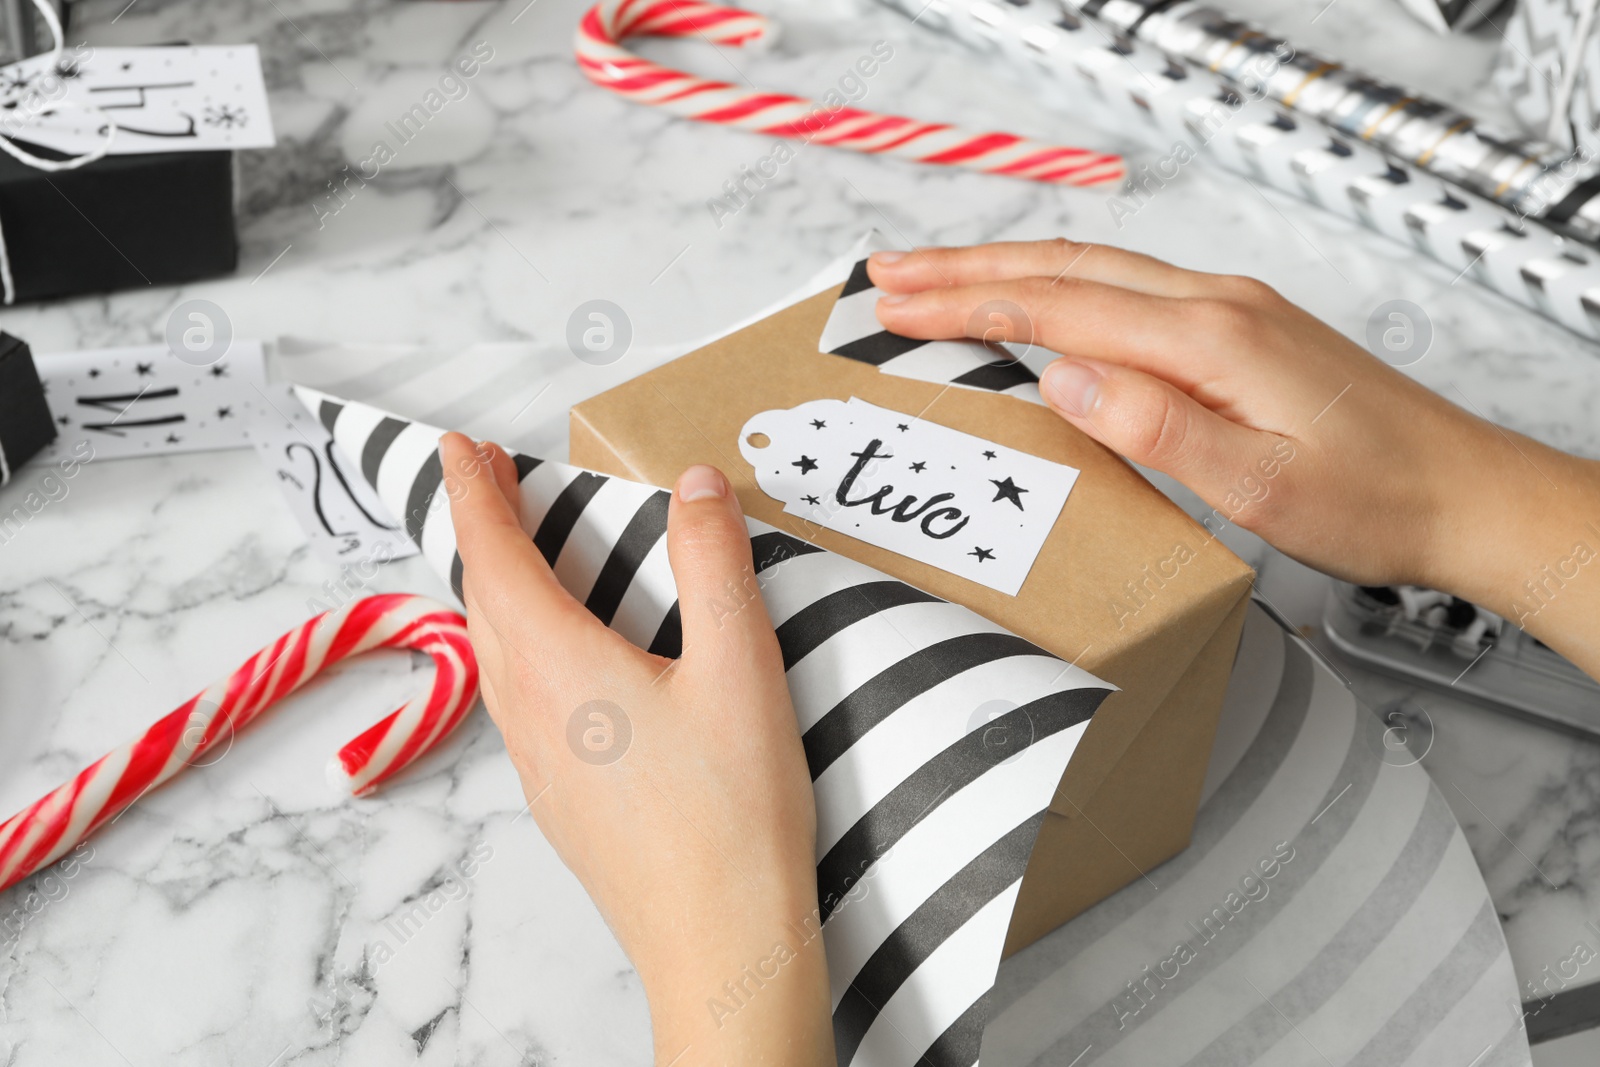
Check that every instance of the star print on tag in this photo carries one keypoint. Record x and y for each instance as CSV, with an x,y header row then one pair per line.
x,y
961,503
1008,490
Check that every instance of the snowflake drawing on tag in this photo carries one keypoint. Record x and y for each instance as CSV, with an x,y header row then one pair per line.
x,y
226,116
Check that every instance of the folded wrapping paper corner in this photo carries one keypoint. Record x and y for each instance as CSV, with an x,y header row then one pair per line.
x,y
935,738
853,331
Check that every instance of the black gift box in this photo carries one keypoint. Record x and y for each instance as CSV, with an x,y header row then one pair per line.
x,y
25,422
23,31
117,223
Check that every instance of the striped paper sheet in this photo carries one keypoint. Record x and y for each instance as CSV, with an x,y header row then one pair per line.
x,y
924,822
1373,942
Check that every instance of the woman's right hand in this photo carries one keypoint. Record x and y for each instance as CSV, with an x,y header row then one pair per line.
x,y
1282,424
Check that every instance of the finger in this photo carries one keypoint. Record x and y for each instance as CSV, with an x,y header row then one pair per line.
x,y
724,620
504,578
927,268
1168,338
1156,425
504,469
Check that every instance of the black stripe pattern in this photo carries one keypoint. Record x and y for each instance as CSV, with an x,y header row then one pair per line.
x,y
853,331
638,538
960,765
807,629
849,720
897,760
949,908
552,534
382,437
420,500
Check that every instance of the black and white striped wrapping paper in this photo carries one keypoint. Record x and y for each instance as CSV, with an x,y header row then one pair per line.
x,y
853,331
927,808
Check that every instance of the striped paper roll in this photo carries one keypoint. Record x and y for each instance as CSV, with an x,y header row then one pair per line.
x,y
1530,177
853,331
935,738
1126,84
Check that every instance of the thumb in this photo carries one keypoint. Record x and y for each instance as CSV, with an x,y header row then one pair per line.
x,y
724,621
1155,424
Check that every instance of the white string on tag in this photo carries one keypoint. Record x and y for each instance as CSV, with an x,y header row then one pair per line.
x,y
1559,128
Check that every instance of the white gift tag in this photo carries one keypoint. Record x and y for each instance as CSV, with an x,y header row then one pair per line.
x,y
145,401
963,504
334,503
177,99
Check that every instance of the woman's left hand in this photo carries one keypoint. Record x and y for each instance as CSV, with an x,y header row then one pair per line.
x,y
677,791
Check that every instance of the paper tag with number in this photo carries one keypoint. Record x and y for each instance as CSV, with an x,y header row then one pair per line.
x,y
963,504
175,99
335,505
145,401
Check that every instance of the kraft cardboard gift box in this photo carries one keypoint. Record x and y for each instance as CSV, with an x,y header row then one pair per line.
x,y
1127,586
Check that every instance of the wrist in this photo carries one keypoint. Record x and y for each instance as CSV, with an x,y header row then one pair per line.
x,y
766,1007
747,992
1514,525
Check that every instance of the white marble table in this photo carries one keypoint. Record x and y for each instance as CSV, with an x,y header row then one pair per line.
x,y
215,913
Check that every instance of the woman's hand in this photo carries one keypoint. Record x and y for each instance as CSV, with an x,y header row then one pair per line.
x,y
1279,422
677,791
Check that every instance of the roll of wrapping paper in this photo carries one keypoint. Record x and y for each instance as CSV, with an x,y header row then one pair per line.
x,y
1532,177
1125,84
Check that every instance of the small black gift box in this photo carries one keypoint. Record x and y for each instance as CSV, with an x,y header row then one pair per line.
x,y
120,222
23,30
25,422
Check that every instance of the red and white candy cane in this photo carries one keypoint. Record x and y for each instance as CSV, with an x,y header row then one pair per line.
x,y
780,115
53,825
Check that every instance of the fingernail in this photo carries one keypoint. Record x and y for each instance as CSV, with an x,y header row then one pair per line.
x,y
701,482
1072,387
887,258
895,298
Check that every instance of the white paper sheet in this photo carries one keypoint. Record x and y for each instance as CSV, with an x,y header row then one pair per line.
x,y
1326,911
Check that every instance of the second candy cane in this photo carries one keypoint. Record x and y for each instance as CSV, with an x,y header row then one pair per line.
x,y
47,829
